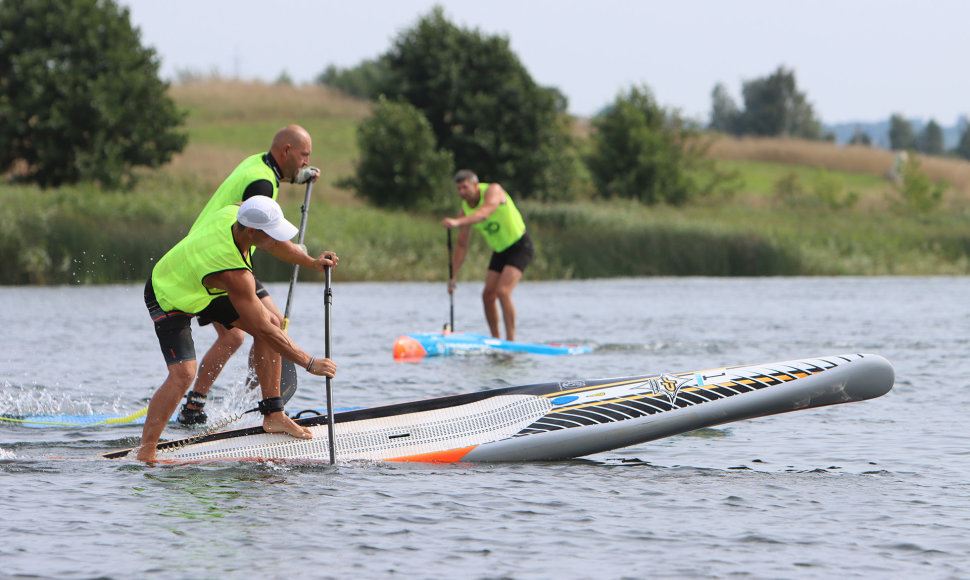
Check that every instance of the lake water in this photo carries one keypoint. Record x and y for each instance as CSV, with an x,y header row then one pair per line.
x,y
872,489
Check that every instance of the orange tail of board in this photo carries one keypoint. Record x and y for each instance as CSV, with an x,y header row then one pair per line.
x,y
450,456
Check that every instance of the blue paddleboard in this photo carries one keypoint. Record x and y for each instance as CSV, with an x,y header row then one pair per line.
x,y
422,344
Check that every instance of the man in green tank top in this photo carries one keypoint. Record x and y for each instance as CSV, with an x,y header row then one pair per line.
x,y
209,273
288,159
490,209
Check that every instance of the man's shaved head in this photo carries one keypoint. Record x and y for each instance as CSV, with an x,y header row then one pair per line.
x,y
291,149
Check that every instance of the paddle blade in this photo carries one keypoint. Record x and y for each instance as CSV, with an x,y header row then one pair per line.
x,y
287,380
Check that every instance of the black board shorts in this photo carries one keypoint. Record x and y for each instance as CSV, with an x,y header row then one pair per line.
x,y
261,293
174,328
518,254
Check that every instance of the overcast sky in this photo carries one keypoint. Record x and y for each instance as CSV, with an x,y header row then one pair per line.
x,y
856,60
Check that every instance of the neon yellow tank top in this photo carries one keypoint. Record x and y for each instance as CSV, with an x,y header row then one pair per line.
x,y
209,248
252,168
503,227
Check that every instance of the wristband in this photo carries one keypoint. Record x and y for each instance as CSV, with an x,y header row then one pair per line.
x,y
310,364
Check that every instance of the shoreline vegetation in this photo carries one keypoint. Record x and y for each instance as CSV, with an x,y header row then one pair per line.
x,y
795,208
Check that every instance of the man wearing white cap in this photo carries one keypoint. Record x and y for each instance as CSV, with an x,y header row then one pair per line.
x,y
209,273
288,159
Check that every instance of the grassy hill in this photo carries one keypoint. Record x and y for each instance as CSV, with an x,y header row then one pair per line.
x,y
228,120
865,168
783,216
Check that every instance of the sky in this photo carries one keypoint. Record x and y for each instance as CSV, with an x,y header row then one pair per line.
x,y
855,60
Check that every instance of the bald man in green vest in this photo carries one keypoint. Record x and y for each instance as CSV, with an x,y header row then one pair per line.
x,y
489,208
288,159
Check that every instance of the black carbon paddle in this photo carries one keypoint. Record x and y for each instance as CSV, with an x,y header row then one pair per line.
x,y
327,302
451,291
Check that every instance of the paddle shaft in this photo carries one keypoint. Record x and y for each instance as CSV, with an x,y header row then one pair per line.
x,y
451,293
304,212
328,301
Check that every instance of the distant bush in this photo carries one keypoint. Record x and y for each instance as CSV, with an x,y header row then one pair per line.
x,y
366,80
399,164
640,151
916,192
930,139
830,191
963,147
284,79
773,106
80,98
902,137
860,138
825,190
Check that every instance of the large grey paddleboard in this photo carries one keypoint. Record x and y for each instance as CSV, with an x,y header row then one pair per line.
x,y
557,420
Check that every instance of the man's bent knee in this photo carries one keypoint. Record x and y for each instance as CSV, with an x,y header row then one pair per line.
x,y
182,374
233,339
489,295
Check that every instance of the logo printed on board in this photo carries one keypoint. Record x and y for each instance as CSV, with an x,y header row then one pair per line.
x,y
667,385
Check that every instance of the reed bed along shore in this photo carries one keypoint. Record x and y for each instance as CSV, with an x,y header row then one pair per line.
x,y
66,238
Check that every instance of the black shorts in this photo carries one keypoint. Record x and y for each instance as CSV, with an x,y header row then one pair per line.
x,y
518,254
261,293
174,329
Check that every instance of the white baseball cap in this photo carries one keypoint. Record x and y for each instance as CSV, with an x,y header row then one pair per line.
x,y
263,213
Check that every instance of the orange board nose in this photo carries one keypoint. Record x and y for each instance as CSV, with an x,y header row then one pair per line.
x,y
407,347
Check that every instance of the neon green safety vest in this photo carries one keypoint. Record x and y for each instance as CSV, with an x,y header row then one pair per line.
x,y
503,227
253,168
208,249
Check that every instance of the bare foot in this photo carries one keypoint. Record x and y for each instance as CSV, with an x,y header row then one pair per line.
x,y
146,453
278,422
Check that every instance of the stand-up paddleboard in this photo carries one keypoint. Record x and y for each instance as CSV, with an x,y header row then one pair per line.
x,y
557,420
77,420
95,419
422,344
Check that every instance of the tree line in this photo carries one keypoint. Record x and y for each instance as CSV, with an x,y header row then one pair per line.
x,y
91,107
774,106
450,96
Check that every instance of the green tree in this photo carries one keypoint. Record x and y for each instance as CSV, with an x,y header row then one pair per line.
x,y
860,137
916,193
773,106
80,98
485,108
725,116
930,139
901,134
641,152
366,80
400,166
284,79
963,147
